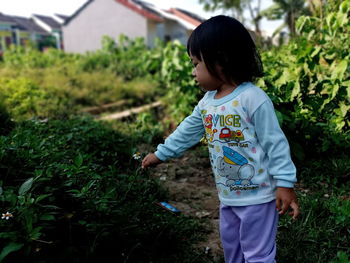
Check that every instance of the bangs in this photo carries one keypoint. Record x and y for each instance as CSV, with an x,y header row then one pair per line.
x,y
193,46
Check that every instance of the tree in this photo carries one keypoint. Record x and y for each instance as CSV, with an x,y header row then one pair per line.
x,y
289,9
234,5
237,7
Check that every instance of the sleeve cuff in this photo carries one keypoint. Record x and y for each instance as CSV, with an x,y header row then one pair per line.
x,y
160,156
283,183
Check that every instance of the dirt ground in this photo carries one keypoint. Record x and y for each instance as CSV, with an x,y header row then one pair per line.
x,y
190,183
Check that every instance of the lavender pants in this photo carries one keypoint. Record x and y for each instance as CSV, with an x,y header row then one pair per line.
x,y
248,233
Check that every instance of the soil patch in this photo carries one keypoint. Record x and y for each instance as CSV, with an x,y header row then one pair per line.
x,y
192,189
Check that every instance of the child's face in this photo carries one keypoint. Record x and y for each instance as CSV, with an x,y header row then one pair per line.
x,y
203,77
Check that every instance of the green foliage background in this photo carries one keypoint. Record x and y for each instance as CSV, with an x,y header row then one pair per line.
x,y
72,182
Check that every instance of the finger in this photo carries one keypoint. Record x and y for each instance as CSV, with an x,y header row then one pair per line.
x,y
278,204
145,162
285,206
295,207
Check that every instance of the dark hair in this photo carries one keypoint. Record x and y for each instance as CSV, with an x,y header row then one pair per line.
x,y
224,41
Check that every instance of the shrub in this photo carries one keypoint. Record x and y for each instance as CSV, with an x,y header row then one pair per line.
x,y
6,124
76,195
21,97
309,80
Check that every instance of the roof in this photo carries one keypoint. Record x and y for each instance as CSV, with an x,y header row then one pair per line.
x,y
191,17
48,21
28,24
138,6
141,8
76,13
187,19
6,19
63,17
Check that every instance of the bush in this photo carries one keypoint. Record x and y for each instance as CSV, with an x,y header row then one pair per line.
x,y
6,124
21,97
76,195
309,79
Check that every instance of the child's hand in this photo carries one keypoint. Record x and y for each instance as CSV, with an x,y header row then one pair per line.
x,y
149,160
285,198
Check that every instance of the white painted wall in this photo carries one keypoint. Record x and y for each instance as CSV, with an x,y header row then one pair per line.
x,y
100,18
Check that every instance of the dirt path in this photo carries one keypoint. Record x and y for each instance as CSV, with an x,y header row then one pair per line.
x,y
192,190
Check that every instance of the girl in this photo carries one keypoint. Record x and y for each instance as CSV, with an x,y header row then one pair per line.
x,y
248,151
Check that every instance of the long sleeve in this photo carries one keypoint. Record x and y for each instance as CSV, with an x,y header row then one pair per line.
x,y
187,134
275,145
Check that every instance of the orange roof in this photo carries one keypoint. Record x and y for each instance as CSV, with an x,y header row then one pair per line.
x,y
141,11
185,17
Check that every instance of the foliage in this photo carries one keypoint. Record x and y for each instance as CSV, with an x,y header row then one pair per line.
x,y
236,6
57,85
127,60
319,235
308,80
22,97
182,92
289,10
75,194
331,172
6,124
145,128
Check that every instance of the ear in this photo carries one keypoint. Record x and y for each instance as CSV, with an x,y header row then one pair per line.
x,y
220,72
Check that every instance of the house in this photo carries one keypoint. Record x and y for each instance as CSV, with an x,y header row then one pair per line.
x,y
19,31
84,30
52,26
28,31
7,33
41,30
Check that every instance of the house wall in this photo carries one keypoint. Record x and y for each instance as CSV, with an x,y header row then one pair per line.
x,y
100,18
174,31
151,33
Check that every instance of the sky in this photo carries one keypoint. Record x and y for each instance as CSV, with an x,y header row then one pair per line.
x,y
67,7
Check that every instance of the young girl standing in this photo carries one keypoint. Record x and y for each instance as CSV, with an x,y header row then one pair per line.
x,y
248,151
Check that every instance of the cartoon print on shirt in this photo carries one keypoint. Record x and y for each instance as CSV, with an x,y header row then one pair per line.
x,y
228,128
236,169
227,135
208,124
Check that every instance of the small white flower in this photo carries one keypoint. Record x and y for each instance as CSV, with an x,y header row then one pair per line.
x,y
136,156
7,216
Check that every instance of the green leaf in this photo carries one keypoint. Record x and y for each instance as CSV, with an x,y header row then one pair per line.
x,y
47,217
339,69
279,117
78,161
316,51
25,186
11,247
343,109
35,234
296,90
41,197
